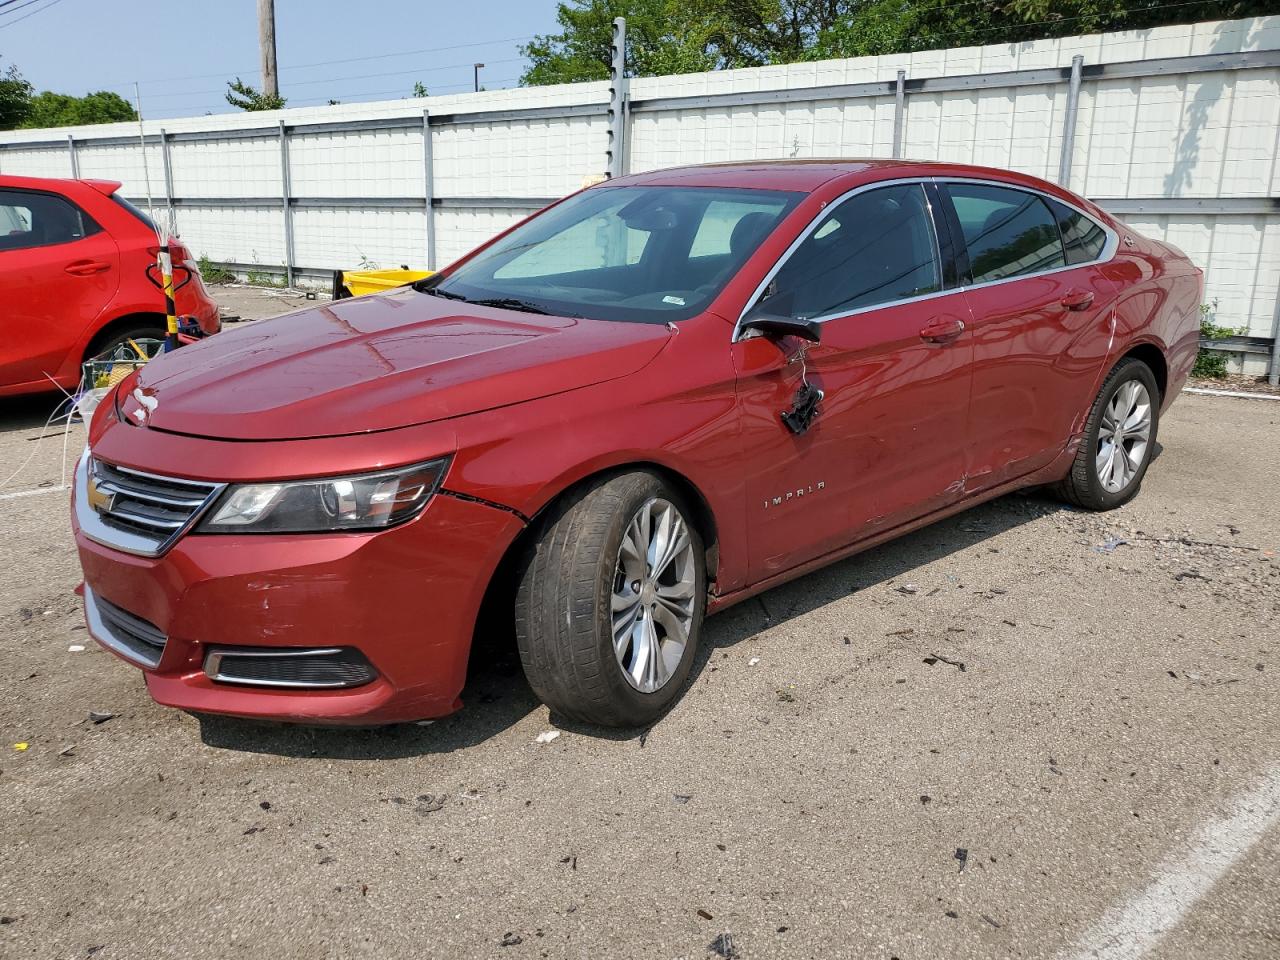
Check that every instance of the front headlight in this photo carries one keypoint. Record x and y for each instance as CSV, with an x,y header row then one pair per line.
x,y
369,501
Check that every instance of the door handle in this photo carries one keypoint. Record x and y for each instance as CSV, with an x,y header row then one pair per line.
x,y
87,268
1078,300
942,331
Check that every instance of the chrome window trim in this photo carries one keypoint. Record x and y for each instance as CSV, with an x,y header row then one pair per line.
x,y
93,527
1108,250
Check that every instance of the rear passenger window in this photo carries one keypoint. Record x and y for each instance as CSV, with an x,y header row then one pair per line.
x,y
1083,238
1009,233
876,247
40,220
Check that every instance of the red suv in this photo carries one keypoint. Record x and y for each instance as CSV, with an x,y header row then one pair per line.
x,y
73,276
652,400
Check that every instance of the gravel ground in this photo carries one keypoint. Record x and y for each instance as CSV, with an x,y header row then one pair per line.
x,y
983,740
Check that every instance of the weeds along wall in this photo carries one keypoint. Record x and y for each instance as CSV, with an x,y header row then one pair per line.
x,y
1175,130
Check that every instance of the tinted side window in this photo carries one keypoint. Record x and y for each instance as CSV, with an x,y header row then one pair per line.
x,y
876,247
40,220
1082,237
1008,232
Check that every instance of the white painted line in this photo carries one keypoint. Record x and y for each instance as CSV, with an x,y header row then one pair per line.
x,y
1130,930
1242,394
33,493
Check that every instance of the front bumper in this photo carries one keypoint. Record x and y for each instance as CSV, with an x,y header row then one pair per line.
x,y
406,599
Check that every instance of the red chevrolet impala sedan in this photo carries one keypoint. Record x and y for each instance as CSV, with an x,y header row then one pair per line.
x,y
649,401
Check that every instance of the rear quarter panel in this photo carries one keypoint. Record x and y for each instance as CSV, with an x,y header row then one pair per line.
x,y
1159,303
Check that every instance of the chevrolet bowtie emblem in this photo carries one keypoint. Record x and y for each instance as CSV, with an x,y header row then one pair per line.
x,y
100,500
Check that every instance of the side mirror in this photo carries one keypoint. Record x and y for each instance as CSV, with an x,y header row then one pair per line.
x,y
769,325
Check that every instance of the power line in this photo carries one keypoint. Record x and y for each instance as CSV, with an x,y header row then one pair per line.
x,y
10,23
326,63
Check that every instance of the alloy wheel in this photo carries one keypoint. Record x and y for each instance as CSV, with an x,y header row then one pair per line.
x,y
653,595
1123,435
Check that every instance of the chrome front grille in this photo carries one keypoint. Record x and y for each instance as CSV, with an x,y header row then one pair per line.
x,y
133,638
137,512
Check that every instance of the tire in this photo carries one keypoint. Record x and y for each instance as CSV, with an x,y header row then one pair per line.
x,y
109,340
570,579
1090,484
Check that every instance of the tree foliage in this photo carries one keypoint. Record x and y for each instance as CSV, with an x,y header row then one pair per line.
x,y
242,95
686,36
50,109
15,98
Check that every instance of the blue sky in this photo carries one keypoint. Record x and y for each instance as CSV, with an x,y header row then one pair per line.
x,y
74,46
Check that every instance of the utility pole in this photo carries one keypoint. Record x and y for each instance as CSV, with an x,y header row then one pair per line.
x,y
476,76
267,46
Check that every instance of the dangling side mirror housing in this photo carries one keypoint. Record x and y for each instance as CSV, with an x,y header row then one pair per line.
x,y
760,320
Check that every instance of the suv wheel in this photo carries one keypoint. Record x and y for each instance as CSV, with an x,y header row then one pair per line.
x,y
1120,436
610,602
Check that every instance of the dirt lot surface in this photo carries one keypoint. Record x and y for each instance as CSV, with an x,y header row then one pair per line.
x,y
1025,732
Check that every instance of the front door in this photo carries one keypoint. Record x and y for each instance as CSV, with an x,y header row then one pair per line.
x,y
887,442
58,271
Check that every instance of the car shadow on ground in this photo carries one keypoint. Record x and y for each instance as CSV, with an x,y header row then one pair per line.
x,y
32,411
498,697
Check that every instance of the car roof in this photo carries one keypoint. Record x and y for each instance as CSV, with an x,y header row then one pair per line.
x,y
57,184
807,176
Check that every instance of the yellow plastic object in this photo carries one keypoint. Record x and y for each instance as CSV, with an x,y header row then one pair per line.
x,y
363,282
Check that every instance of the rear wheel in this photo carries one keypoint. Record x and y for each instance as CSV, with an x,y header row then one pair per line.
x,y
1120,436
610,602
105,343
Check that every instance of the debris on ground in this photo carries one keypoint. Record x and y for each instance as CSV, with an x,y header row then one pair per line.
x,y
100,716
1109,545
430,802
21,747
935,658
786,696
683,797
908,588
723,946
753,661
962,854
547,736
704,915
511,939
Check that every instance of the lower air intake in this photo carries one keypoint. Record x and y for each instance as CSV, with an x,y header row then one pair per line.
x,y
324,668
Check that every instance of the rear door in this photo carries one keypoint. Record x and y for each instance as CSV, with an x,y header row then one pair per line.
x,y
887,444
58,272
1042,315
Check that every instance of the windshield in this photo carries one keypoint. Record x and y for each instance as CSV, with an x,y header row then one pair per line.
x,y
648,254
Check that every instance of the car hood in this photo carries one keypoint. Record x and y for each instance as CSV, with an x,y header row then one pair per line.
x,y
377,363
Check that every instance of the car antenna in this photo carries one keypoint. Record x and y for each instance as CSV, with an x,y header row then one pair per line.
x,y
164,261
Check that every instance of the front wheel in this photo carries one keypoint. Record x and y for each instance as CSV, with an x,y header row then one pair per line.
x,y
1120,436
610,603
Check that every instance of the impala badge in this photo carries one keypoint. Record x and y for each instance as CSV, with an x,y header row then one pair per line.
x,y
795,494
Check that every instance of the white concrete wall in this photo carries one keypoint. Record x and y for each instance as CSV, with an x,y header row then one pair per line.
x,y
1204,135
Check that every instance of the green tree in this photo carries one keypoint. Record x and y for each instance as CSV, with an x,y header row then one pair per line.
x,y
419,89
685,36
15,98
240,94
49,109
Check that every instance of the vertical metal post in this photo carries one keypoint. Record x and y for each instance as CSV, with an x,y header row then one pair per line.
x,y
615,155
75,161
168,178
286,196
1273,372
1069,122
899,112
428,188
